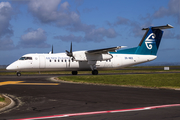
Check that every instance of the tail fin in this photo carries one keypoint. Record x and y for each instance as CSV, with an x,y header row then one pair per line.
x,y
151,40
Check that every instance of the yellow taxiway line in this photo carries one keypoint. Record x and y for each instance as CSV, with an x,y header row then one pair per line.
x,y
21,83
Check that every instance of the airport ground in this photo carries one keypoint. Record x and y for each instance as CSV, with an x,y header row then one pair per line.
x,y
37,96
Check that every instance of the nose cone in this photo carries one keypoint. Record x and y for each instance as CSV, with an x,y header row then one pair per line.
x,y
13,66
10,67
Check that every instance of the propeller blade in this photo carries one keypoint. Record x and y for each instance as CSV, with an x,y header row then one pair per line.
x,y
71,48
67,51
70,54
69,62
51,52
52,49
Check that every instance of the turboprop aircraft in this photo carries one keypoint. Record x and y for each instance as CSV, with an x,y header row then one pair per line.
x,y
99,59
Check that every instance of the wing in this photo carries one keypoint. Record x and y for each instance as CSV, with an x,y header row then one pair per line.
x,y
105,50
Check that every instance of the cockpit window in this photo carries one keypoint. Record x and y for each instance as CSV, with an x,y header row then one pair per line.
x,y
22,58
25,58
28,58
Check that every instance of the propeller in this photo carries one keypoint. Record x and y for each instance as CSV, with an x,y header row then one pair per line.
x,y
70,54
51,52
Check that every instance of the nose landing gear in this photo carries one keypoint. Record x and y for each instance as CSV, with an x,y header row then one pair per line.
x,y
18,74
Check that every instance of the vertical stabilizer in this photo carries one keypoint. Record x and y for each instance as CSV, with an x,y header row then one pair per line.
x,y
151,40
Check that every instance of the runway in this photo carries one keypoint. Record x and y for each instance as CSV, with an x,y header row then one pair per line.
x,y
41,97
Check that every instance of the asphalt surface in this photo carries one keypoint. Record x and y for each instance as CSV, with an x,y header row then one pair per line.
x,y
64,98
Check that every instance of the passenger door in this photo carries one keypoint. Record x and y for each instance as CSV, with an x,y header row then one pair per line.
x,y
42,62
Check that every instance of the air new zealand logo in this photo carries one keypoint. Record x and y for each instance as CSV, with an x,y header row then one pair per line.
x,y
150,40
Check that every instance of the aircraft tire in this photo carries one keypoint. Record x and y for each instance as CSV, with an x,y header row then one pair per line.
x,y
74,72
18,74
95,72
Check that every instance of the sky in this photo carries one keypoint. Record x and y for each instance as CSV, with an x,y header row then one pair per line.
x,y
33,26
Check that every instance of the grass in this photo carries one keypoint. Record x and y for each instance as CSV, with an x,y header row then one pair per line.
x,y
163,80
170,80
2,99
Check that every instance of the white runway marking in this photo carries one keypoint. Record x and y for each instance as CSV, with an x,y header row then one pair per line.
x,y
99,112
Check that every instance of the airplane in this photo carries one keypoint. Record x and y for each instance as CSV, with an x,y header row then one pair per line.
x,y
94,60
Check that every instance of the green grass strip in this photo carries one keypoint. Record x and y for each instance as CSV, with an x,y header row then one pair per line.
x,y
2,99
170,80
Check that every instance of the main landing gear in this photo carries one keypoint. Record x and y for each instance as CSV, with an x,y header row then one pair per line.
x,y
95,72
18,74
74,72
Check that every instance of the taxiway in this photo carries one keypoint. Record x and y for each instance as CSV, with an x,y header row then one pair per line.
x,y
56,98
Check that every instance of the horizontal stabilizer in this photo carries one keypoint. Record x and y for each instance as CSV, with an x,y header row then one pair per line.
x,y
160,27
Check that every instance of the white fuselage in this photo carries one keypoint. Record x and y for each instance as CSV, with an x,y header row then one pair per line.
x,y
60,61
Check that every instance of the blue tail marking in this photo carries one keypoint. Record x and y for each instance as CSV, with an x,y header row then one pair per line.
x,y
149,44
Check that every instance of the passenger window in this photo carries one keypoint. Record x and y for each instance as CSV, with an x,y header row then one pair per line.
x,y
54,60
49,60
61,60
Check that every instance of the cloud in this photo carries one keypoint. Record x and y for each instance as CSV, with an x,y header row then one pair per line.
x,y
135,27
5,17
34,39
65,6
95,35
122,21
70,37
6,13
7,44
119,21
78,2
170,35
172,10
178,37
88,10
47,12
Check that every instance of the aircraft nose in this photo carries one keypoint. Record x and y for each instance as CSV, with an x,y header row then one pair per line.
x,y
12,66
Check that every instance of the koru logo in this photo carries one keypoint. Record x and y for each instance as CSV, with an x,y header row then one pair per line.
x,y
150,40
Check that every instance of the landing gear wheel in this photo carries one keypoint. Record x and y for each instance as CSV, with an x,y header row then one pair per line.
x,y
74,72
18,74
95,72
